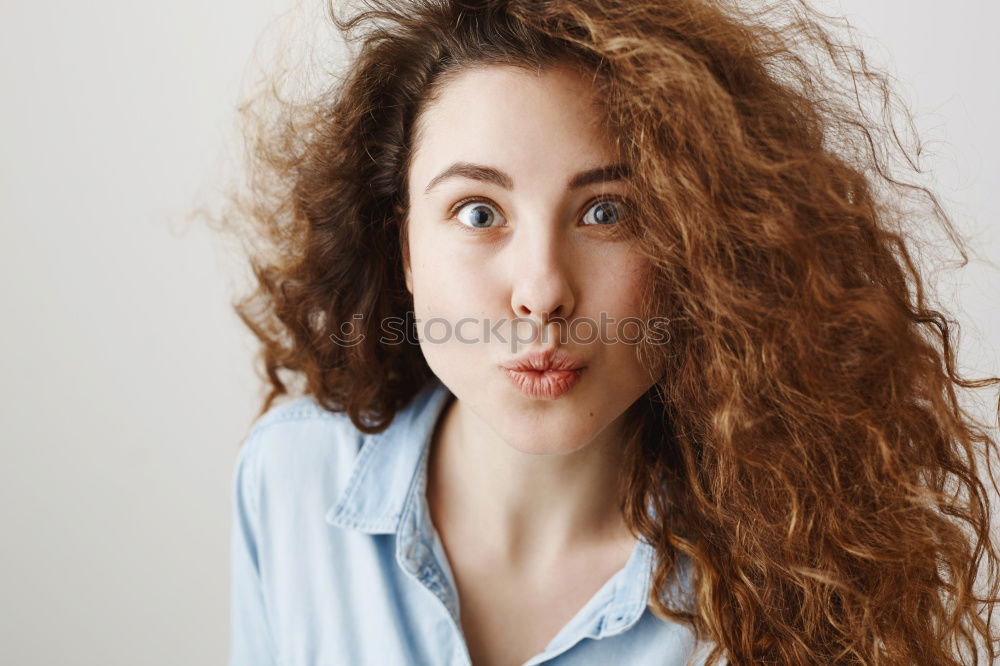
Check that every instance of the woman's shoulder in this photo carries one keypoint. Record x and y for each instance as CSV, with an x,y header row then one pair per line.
x,y
300,446
294,442
296,412
301,421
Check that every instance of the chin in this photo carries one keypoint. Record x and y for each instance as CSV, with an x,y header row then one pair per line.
x,y
558,436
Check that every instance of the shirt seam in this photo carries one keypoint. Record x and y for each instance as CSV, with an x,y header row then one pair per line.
x,y
297,414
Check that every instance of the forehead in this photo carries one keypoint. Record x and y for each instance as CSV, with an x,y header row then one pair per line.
x,y
529,121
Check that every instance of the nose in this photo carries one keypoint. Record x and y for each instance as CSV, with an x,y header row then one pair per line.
x,y
541,280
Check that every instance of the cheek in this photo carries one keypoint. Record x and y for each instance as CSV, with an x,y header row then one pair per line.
x,y
447,291
628,369
452,282
618,282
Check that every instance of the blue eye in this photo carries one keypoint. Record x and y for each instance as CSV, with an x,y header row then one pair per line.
x,y
481,216
478,213
608,212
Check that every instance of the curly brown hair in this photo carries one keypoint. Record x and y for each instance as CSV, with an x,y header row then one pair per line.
x,y
806,447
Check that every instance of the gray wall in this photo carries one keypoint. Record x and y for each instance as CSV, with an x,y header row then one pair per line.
x,y
127,380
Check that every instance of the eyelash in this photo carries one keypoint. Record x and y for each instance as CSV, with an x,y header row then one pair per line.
x,y
478,230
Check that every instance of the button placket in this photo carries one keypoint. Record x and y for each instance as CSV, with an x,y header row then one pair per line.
x,y
416,554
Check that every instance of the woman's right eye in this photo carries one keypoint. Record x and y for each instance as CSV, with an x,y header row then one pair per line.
x,y
481,215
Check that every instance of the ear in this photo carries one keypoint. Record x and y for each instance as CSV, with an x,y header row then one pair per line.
x,y
406,268
408,276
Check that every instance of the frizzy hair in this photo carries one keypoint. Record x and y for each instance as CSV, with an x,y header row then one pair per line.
x,y
805,449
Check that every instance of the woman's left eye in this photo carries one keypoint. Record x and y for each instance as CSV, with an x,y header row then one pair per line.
x,y
607,212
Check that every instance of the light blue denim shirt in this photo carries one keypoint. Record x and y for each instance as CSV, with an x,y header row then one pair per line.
x,y
335,561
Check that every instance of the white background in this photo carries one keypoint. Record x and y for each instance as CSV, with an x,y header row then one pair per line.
x,y
127,380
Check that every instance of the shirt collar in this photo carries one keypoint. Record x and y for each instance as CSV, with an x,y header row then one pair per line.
x,y
385,495
385,474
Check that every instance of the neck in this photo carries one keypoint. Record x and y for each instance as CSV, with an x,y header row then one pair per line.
x,y
522,508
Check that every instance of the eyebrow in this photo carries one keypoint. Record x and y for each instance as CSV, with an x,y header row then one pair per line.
x,y
488,174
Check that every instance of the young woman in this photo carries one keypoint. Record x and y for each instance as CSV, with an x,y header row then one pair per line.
x,y
611,351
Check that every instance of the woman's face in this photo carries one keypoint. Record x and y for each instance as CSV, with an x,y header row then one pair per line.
x,y
529,244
